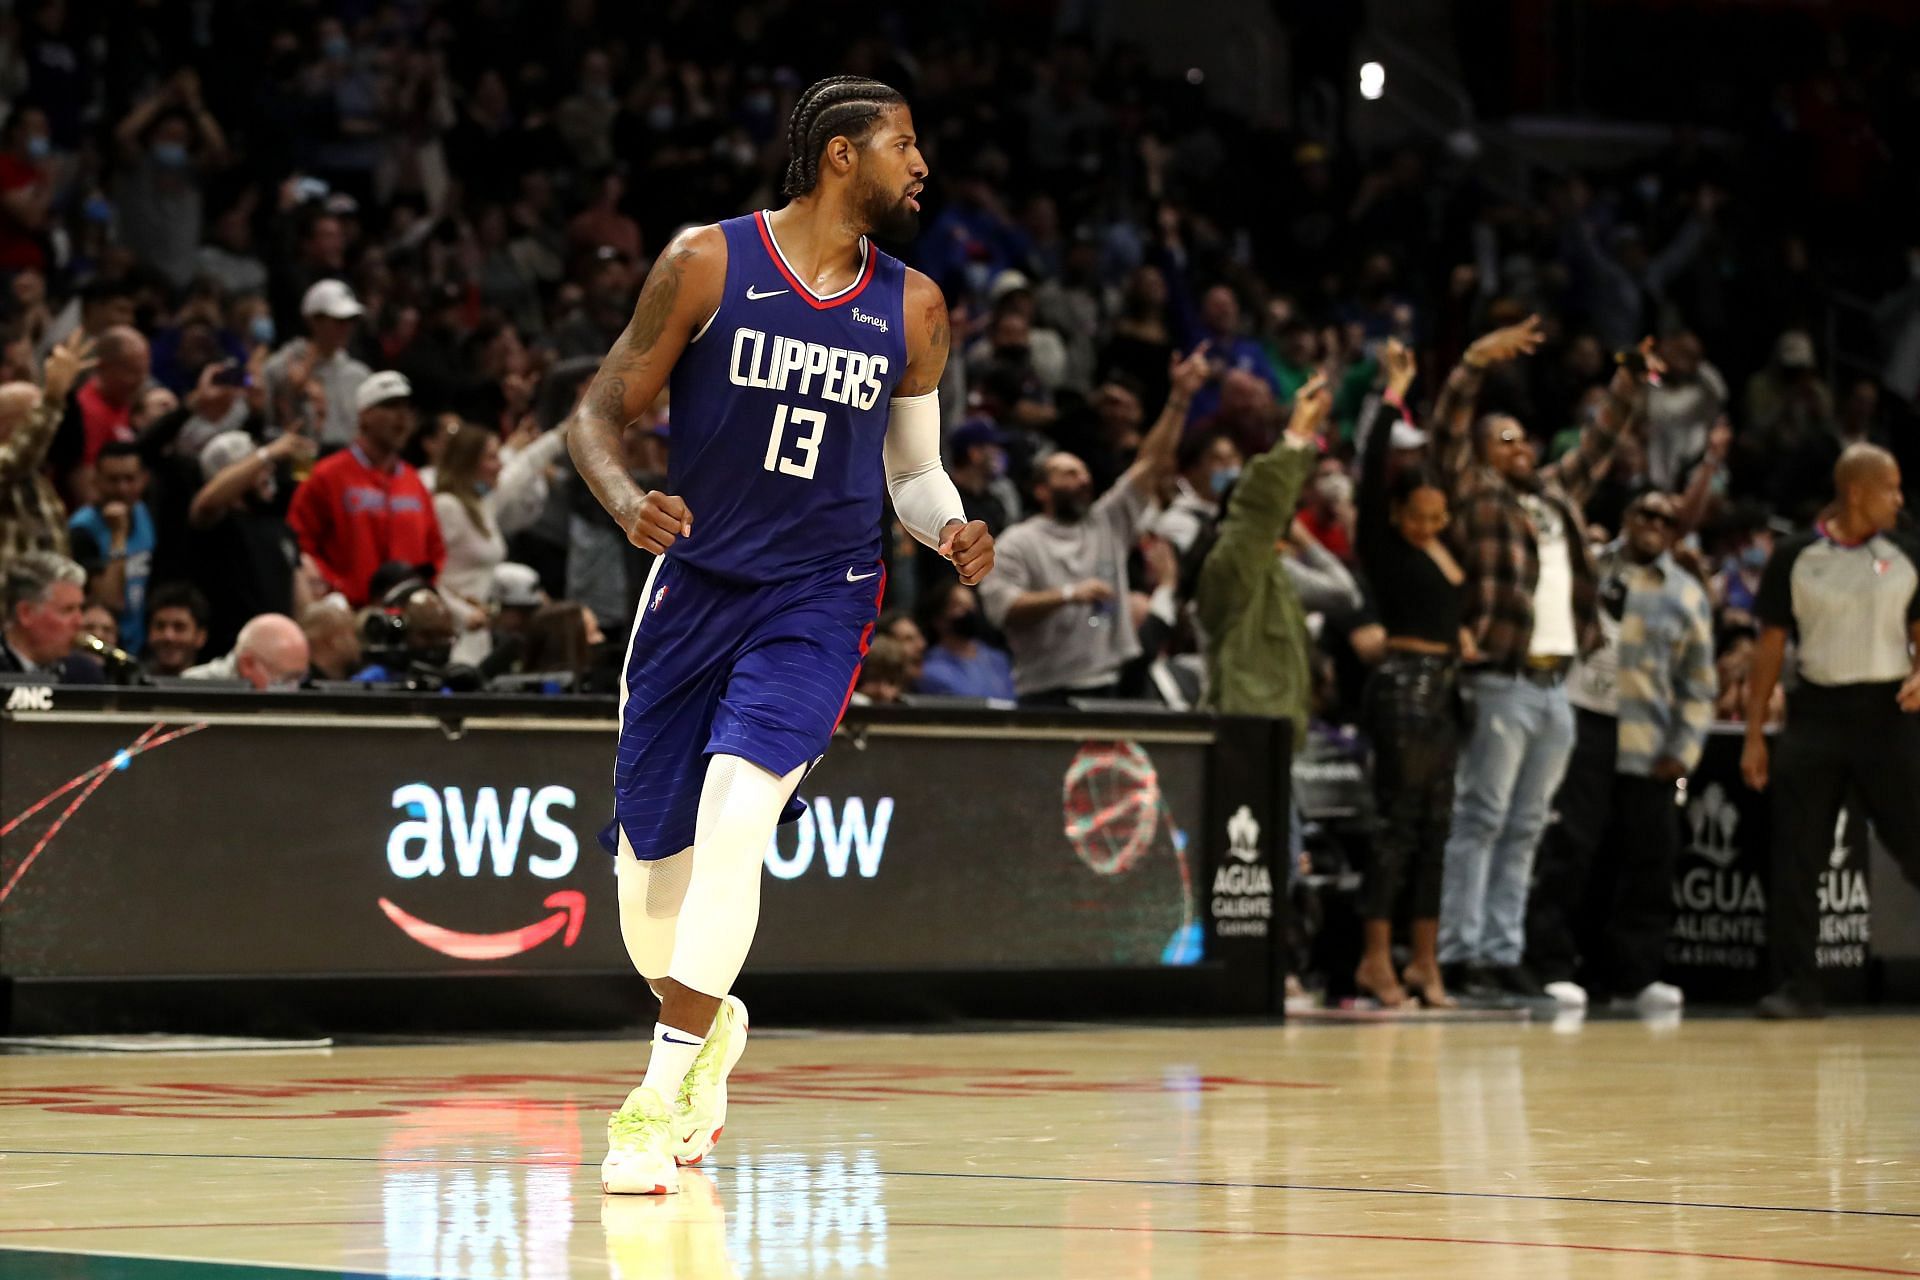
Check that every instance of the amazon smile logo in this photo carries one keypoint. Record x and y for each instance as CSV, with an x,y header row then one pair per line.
x,y
485,839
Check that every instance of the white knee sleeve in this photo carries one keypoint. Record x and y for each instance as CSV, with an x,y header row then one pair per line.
x,y
740,806
650,898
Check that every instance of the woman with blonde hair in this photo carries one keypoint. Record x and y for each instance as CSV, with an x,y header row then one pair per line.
x,y
484,491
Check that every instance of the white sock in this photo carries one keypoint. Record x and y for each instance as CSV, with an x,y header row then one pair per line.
x,y
672,1057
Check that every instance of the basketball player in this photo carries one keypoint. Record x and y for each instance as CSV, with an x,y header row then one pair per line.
x,y
804,364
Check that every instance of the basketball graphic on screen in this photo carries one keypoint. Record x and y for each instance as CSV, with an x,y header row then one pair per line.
x,y
1111,804
1112,808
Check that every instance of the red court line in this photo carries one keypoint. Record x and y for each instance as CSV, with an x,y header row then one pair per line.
x,y
1855,1268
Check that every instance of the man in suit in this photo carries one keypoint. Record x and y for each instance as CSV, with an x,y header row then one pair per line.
x,y
44,594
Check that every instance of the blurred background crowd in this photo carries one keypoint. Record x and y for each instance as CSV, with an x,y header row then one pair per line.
x,y
253,253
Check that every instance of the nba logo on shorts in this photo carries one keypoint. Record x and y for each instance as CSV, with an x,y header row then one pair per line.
x,y
658,596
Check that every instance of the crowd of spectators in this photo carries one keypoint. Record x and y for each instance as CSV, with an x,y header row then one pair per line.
x,y
286,356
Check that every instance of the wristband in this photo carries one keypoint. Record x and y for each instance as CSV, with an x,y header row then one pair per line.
x,y
1068,592
264,456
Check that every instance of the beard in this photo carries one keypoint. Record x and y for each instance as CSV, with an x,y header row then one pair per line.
x,y
888,216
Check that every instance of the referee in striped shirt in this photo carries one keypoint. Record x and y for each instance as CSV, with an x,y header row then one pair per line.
x,y
1848,591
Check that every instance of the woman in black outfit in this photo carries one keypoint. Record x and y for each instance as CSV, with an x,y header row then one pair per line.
x,y
1419,592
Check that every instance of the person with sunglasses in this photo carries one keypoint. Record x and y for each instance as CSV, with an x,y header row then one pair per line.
x,y
1532,608
1642,704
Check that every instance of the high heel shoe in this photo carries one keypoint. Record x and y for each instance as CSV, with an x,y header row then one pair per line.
x,y
1361,987
1419,989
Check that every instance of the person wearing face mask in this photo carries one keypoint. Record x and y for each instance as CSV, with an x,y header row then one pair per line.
x,y
482,493
270,654
242,554
1210,466
960,664
26,191
1734,590
1245,602
1411,696
1061,575
166,142
1328,511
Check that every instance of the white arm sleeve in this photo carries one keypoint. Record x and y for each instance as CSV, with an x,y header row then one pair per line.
x,y
923,493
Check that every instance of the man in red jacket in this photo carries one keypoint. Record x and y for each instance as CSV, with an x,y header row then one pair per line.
x,y
363,507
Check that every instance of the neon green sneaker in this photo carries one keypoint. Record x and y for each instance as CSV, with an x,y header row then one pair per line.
x,y
640,1148
700,1110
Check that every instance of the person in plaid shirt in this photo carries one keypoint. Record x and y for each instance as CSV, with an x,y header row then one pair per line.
x,y
1644,701
1519,534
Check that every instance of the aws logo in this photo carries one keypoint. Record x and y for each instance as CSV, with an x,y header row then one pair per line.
x,y
485,840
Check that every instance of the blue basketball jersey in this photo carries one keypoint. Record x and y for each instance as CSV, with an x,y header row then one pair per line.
x,y
779,415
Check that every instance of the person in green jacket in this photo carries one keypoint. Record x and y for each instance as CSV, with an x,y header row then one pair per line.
x,y
1256,631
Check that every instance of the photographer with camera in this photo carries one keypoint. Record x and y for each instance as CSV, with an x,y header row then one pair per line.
x,y
408,641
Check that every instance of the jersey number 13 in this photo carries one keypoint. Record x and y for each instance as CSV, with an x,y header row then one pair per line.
x,y
807,425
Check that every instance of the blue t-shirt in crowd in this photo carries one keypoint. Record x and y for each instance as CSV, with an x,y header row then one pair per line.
x,y
988,674
140,544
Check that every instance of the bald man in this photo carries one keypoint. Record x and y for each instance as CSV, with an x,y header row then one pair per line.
x,y
101,410
1848,591
271,655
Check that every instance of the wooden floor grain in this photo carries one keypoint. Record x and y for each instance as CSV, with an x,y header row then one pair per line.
x,y
1707,1149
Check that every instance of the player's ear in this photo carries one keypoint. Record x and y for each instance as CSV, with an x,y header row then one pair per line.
x,y
840,154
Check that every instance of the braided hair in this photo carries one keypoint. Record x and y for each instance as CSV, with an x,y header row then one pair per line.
x,y
839,106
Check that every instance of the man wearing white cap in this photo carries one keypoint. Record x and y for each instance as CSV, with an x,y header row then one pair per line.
x,y
363,507
331,312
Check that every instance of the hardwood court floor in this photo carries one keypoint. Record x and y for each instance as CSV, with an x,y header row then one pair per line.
x,y
1710,1149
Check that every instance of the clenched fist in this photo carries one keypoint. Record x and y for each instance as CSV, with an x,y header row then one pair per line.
x,y
970,547
658,522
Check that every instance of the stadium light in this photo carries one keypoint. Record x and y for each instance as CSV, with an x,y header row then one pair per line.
x,y
1373,81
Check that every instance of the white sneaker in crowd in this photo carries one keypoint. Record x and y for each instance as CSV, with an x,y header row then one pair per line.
x,y
1655,996
1568,995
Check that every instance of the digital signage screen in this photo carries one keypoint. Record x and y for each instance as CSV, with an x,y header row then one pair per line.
x,y
287,845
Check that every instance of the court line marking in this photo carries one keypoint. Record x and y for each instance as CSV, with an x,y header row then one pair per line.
x,y
1858,1268
1854,1268
1024,1177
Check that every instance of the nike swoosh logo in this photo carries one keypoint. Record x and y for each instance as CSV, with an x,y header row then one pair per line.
x,y
668,1037
755,297
861,577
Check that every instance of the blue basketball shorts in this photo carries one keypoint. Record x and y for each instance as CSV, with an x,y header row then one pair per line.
x,y
715,667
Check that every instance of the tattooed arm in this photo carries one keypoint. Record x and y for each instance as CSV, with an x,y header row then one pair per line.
x,y
927,337
681,294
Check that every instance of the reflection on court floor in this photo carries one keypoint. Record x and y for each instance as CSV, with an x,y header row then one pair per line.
x,y
1711,1148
